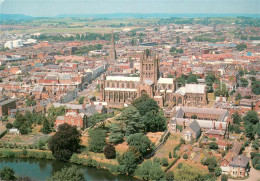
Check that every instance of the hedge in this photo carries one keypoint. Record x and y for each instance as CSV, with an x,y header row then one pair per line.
x,y
172,163
8,153
3,133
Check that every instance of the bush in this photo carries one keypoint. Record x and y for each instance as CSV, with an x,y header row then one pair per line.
x,y
9,125
169,176
7,174
224,177
8,154
3,133
170,155
213,145
185,156
179,165
157,160
110,152
164,162
24,152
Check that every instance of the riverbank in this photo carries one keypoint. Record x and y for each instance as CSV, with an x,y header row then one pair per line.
x,y
78,159
42,169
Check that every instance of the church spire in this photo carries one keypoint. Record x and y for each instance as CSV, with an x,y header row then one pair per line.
x,y
112,55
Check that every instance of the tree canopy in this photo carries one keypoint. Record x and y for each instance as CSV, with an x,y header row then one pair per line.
x,y
241,47
71,173
149,170
97,140
145,104
7,173
192,78
132,121
65,142
140,142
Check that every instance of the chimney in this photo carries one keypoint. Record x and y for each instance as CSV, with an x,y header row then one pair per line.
x,y
184,124
214,125
220,98
220,126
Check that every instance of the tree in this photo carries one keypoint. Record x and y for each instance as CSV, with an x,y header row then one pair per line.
x,y
255,144
258,129
236,118
188,39
224,177
133,42
131,120
251,117
30,102
129,162
170,76
140,142
46,129
81,100
72,173
192,78
243,82
150,170
154,122
97,140
54,112
170,155
241,47
7,173
164,162
194,116
213,145
185,156
238,97
249,130
256,87
178,39
145,104
116,136
217,171
65,142
110,152
23,129
221,90
19,79
169,176
211,162
9,125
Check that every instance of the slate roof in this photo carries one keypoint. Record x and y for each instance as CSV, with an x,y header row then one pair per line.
x,y
195,126
236,147
239,161
7,101
215,132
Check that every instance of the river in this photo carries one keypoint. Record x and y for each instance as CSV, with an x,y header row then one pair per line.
x,y
41,169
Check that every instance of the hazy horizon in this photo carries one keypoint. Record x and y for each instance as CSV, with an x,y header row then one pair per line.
x,y
49,8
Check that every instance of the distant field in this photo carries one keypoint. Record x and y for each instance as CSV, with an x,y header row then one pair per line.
x,y
70,25
66,30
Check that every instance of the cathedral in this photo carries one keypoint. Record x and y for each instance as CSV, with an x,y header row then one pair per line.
x,y
119,91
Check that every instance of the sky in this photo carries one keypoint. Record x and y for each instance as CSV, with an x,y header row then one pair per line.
x,y
57,7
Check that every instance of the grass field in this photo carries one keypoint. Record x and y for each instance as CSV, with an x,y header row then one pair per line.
x,y
171,142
